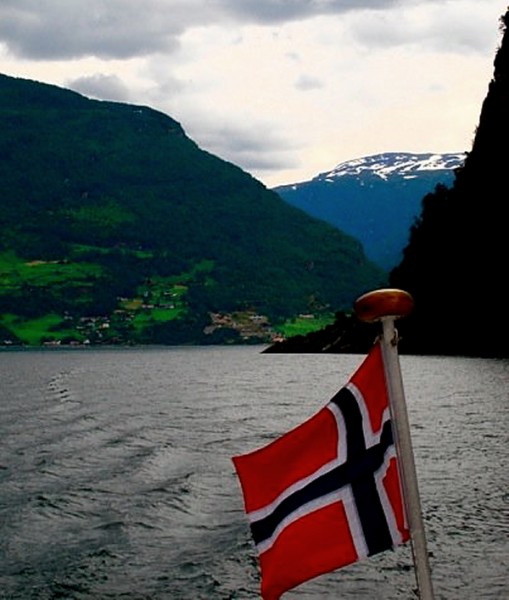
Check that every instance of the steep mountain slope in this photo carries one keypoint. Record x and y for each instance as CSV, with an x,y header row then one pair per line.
x,y
375,199
456,261
109,208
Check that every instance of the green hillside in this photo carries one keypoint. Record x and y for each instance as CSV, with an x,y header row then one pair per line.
x,y
116,227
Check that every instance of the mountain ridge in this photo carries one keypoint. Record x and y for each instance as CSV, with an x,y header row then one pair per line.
x,y
403,164
376,198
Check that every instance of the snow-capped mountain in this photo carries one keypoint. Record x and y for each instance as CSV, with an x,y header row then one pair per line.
x,y
375,198
393,164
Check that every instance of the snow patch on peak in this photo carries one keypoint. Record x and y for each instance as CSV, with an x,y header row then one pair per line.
x,y
394,164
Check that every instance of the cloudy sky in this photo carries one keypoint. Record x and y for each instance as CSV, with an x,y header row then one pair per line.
x,y
285,89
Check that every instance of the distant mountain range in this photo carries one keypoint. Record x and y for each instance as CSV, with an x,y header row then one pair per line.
x,y
376,199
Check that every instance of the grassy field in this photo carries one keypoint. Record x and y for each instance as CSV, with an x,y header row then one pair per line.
x,y
159,300
304,325
145,318
34,331
15,272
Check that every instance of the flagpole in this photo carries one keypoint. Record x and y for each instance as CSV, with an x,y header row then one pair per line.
x,y
385,306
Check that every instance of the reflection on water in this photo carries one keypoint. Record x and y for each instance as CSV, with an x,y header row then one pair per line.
x,y
116,479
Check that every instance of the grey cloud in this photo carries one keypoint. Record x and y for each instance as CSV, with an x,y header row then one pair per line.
x,y
463,34
308,82
268,162
121,29
445,29
58,29
167,87
158,69
105,87
293,56
253,148
278,11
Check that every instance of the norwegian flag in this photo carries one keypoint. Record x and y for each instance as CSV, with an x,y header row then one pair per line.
x,y
327,493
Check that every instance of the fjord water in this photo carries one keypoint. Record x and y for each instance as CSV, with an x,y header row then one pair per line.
x,y
116,478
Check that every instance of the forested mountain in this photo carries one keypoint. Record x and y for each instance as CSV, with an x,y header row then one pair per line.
x,y
455,263
374,198
115,226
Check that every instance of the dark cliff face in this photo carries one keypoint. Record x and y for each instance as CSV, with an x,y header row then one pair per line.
x,y
455,262
489,149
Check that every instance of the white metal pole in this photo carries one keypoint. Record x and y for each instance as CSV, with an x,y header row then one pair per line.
x,y
406,456
386,305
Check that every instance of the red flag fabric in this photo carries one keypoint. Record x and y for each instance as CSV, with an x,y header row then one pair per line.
x,y
327,493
